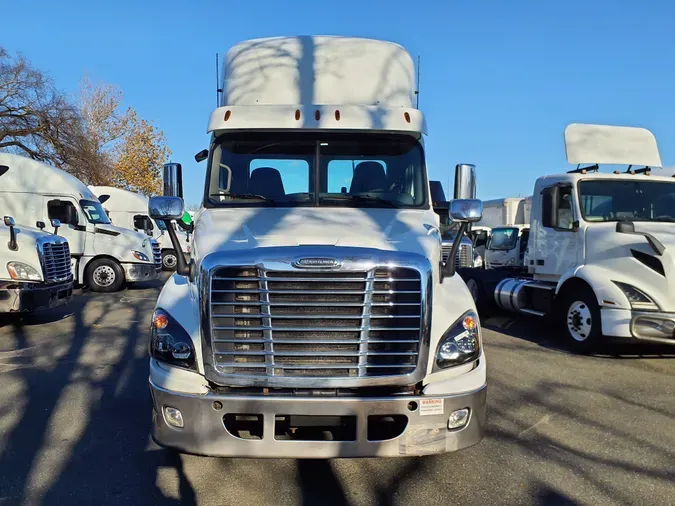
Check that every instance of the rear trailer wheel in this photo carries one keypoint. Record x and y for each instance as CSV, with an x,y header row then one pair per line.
x,y
580,319
169,260
104,275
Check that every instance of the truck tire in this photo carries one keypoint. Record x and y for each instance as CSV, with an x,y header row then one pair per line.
x,y
169,260
104,275
579,316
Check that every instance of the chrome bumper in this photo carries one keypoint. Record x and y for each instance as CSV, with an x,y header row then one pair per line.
x,y
658,327
140,272
204,431
28,297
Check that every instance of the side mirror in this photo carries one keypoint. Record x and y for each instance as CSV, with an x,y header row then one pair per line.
x,y
202,155
463,211
465,181
103,198
9,222
71,216
549,216
173,180
625,227
466,210
56,224
40,224
166,208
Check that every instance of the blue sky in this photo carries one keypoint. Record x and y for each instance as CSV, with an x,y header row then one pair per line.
x,y
500,80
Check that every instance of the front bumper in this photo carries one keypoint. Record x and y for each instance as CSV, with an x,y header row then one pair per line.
x,y
204,431
643,325
140,272
27,297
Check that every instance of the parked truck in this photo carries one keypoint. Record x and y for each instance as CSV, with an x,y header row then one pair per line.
x,y
316,317
103,256
34,268
601,254
508,220
130,210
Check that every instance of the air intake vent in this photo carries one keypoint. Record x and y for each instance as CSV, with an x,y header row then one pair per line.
x,y
650,261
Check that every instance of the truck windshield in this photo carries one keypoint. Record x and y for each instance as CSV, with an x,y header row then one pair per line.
x,y
317,169
503,239
606,200
94,212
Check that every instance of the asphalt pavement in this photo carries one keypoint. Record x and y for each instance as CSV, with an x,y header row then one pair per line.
x,y
562,429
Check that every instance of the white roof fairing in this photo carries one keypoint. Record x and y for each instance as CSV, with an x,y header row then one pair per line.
x,y
606,144
30,176
318,82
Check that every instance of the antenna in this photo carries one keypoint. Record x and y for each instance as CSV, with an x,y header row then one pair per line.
x,y
417,91
218,89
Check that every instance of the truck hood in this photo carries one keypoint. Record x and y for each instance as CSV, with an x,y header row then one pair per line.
x,y
118,241
414,231
615,253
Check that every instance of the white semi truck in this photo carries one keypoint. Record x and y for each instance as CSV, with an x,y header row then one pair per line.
x,y
508,220
34,268
103,256
130,210
315,317
601,254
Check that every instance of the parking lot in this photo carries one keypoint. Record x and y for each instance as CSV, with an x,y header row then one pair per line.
x,y
562,429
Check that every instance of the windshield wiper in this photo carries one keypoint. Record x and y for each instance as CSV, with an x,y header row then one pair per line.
x,y
362,199
242,196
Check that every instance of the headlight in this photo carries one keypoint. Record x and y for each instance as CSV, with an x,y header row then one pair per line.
x,y
460,343
23,272
140,256
169,342
637,299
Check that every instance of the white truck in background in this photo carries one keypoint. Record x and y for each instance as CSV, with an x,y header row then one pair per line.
x,y
601,255
34,268
130,210
508,220
316,318
103,256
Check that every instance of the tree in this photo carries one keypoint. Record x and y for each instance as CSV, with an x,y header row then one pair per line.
x,y
36,119
105,124
140,158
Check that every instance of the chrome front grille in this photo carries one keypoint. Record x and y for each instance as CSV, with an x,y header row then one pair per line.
x,y
56,261
267,323
156,254
464,254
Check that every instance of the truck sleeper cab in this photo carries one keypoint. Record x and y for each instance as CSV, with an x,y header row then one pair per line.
x,y
34,269
315,318
601,255
103,256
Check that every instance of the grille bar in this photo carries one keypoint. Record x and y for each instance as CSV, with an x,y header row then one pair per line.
x,y
320,324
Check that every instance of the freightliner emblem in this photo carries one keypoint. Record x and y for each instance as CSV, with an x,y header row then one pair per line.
x,y
316,263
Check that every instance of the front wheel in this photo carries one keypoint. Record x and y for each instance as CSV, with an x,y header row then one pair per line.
x,y
580,319
169,260
104,275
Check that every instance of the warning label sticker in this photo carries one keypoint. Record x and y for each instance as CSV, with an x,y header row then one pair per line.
x,y
431,407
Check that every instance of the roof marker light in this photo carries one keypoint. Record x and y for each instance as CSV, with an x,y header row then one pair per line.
x,y
337,115
406,115
317,115
297,114
227,115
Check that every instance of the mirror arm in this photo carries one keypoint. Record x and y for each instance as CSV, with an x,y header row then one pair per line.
x,y
12,245
182,265
451,265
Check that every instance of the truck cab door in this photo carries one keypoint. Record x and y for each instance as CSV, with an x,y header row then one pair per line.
x,y
73,223
558,240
